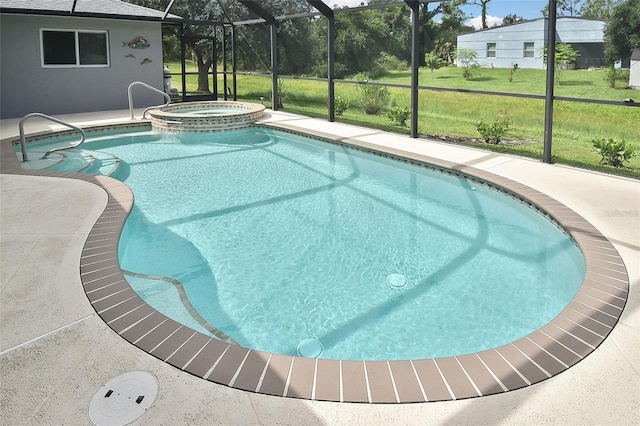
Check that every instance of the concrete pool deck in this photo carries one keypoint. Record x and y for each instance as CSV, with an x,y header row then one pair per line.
x,y
56,352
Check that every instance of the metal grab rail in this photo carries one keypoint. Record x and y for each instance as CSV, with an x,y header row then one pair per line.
x,y
139,83
23,143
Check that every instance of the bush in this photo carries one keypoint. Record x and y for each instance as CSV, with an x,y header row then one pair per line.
x,y
495,131
390,62
433,61
613,75
374,98
399,115
340,105
466,58
614,153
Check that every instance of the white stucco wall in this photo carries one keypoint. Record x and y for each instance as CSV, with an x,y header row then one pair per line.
x,y
26,86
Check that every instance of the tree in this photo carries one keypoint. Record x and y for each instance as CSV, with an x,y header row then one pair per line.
x,y
563,8
431,34
399,29
357,33
483,7
447,30
565,54
512,18
193,9
252,41
598,9
433,61
622,31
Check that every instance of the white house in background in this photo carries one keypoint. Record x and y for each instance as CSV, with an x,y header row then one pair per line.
x,y
522,43
634,70
56,62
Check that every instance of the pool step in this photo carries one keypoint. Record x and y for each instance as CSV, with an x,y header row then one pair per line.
x,y
104,164
75,160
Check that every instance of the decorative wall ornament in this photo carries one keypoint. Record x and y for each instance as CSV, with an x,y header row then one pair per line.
x,y
130,55
146,61
137,43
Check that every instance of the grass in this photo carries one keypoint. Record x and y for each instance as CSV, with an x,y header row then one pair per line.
x,y
454,114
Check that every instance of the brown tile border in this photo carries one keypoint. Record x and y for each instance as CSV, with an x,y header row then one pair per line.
x,y
576,332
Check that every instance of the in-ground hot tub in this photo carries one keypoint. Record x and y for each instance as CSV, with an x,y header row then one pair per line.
x,y
210,116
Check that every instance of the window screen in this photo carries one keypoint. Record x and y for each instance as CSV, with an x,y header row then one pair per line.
x,y
74,48
92,48
491,50
528,49
59,48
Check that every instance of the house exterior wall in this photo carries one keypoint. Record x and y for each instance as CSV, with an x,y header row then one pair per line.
x,y
634,70
585,35
509,42
26,86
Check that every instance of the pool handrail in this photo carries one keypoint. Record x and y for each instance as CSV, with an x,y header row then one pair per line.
x,y
139,83
23,144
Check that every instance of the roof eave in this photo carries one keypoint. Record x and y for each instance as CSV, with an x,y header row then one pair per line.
x,y
15,11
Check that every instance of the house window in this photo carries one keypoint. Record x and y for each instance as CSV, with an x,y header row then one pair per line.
x,y
528,49
74,48
491,50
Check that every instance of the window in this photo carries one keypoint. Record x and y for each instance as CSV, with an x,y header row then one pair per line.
x,y
528,49
74,48
491,50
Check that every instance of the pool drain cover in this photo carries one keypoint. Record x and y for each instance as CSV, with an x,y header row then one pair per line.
x,y
123,399
396,280
310,348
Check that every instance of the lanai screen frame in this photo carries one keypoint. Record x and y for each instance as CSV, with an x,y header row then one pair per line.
x,y
329,14
323,9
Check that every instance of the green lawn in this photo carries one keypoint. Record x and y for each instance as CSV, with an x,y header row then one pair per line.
x,y
454,114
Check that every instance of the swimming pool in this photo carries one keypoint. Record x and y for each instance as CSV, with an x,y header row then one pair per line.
x,y
277,238
564,341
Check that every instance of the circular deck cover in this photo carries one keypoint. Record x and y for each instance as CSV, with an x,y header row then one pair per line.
x,y
123,399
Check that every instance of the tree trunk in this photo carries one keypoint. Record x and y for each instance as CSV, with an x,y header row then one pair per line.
x,y
484,15
203,72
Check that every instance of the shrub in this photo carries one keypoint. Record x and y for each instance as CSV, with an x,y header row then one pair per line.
x,y
466,58
564,55
340,105
493,132
390,62
433,61
613,75
399,115
512,72
374,98
282,94
613,152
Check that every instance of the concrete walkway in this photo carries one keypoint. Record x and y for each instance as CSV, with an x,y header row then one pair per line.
x,y
55,352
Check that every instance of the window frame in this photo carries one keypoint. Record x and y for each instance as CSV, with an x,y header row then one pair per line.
x,y
489,50
532,50
76,33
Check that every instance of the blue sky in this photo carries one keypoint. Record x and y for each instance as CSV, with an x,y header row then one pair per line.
x,y
496,9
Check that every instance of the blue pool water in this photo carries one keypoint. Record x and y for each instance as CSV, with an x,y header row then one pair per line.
x,y
278,238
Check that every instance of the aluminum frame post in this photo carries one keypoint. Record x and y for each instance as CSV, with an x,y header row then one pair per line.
x,y
214,65
233,62
274,66
183,57
328,13
331,35
415,64
551,67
